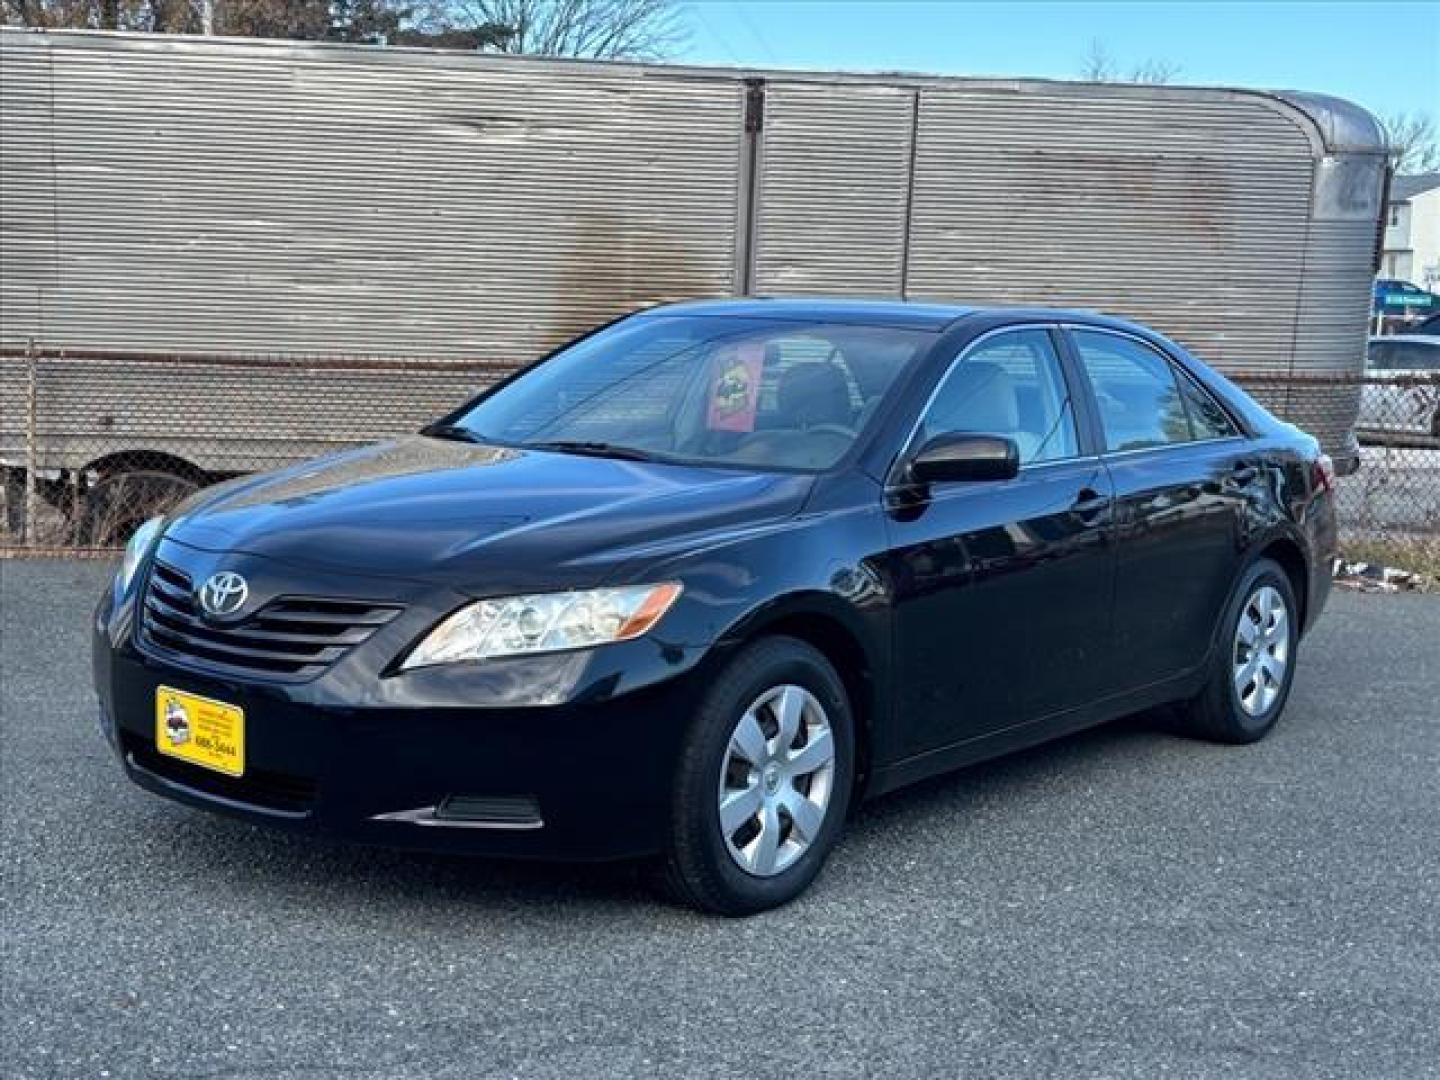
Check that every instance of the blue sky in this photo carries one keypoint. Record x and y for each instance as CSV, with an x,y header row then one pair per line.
x,y
1384,55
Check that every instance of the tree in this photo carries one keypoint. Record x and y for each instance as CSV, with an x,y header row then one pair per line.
x,y
79,14
603,29
302,20
1414,142
1099,66
306,20
598,29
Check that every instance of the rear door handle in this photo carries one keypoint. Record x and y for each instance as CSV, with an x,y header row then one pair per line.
x,y
1090,506
1243,473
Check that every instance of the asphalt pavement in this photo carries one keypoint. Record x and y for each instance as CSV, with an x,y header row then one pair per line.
x,y
1121,904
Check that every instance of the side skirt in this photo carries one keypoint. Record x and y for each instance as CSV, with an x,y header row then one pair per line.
x,y
1023,736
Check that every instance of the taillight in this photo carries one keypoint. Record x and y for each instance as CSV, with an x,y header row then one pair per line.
x,y
1324,474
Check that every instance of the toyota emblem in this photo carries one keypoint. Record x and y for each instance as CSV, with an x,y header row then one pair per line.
x,y
223,593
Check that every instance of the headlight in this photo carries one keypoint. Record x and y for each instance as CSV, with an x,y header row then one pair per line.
x,y
544,622
136,550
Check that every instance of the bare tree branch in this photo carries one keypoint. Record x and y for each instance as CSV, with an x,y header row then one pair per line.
x,y
315,20
1154,72
599,29
1098,65
1414,142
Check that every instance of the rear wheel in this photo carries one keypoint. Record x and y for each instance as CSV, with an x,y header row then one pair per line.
x,y
764,781
1254,662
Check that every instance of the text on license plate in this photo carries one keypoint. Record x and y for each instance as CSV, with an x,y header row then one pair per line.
x,y
200,730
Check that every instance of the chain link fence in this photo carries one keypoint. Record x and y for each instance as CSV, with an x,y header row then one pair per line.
x,y
1389,508
92,444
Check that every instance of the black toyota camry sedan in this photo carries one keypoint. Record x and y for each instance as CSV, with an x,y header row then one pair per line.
x,y
694,584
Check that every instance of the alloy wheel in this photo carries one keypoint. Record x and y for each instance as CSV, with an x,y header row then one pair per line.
x,y
776,780
1262,650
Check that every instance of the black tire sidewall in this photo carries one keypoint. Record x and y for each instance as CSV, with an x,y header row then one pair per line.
x,y
700,846
1264,572
103,520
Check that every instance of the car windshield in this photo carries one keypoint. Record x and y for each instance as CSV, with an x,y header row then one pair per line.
x,y
765,393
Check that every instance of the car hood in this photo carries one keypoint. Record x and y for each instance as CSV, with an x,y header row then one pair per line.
x,y
480,517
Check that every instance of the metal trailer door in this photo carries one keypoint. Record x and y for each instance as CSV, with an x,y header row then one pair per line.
x,y
832,189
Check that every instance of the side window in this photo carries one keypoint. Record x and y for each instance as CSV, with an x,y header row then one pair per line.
x,y
1140,403
1208,420
1011,385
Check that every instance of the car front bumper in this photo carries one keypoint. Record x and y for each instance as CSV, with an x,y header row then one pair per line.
x,y
584,777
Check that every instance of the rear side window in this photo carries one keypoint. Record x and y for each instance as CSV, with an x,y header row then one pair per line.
x,y
1139,398
1207,419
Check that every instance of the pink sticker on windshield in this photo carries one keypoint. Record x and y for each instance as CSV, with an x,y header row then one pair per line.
x,y
735,389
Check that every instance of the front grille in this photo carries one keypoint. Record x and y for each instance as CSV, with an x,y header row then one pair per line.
x,y
268,790
292,637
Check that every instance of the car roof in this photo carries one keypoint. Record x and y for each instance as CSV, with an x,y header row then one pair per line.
x,y
897,314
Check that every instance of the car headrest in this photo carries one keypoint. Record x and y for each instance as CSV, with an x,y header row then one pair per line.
x,y
980,398
813,393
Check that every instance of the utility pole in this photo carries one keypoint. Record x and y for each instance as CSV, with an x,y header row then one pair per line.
x,y
207,17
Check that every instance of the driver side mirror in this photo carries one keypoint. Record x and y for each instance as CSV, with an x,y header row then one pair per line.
x,y
961,456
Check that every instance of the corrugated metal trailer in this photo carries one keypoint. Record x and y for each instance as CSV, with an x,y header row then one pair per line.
x,y
251,251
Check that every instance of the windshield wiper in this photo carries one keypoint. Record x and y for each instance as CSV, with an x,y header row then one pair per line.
x,y
594,449
455,432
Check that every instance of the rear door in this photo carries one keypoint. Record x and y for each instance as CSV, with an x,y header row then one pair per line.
x,y
1182,476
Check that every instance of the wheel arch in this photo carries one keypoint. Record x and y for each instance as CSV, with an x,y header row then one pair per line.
x,y
1291,557
837,631
123,461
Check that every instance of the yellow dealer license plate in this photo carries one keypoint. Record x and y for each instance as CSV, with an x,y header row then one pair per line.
x,y
200,730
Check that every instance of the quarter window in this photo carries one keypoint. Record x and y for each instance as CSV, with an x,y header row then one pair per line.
x,y
1140,402
1011,385
1207,419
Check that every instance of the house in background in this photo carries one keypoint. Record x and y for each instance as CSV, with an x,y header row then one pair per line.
x,y
1412,231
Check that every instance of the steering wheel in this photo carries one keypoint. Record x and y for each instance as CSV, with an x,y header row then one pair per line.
x,y
831,429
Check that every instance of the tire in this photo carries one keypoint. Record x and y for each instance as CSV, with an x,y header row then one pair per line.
x,y
116,505
14,523
1242,700
734,874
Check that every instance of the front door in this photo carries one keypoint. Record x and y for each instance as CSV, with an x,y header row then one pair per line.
x,y
1002,589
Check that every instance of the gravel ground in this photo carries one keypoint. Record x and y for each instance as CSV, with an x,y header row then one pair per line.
x,y
1120,904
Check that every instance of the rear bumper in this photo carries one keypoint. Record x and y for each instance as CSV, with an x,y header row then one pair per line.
x,y
1323,534
595,773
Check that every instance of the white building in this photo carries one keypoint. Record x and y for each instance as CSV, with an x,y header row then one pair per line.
x,y
1412,231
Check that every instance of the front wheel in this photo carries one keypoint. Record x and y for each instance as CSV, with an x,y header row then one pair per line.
x,y
764,781
1254,663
